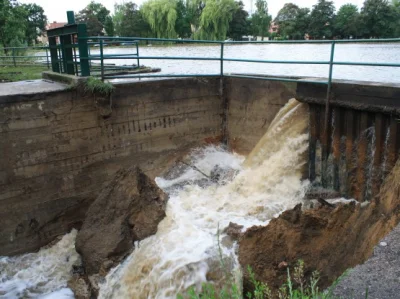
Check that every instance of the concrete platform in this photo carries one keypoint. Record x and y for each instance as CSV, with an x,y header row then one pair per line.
x,y
30,87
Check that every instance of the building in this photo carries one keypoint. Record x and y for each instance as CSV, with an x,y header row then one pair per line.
x,y
43,38
273,28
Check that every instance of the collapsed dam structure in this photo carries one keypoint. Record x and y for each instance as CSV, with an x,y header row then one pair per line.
x,y
61,144
58,150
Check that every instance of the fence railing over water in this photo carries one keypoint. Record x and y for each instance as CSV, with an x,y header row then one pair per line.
x,y
25,56
222,59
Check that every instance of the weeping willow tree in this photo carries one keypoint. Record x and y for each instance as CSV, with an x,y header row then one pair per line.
x,y
161,16
215,19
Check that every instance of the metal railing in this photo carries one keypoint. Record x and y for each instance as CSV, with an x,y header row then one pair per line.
x,y
25,56
222,59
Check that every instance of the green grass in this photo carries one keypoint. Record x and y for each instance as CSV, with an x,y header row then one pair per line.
x,y
96,86
12,74
295,287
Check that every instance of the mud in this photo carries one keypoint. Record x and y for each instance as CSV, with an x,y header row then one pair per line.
x,y
329,240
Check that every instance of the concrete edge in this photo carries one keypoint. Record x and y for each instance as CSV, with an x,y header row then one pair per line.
x,y
63,78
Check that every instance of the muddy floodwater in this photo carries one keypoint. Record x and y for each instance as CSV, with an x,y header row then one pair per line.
x,y
185,251
365,52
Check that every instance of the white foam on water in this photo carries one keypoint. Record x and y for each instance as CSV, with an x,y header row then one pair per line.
x,y
184,250
40,275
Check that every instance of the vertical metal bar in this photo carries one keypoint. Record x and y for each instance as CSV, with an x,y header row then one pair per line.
x,y
137,53
54,55
328,93
68,58
222,59
101,60
90,61
13,54
47,58
60,61
75,61
83,50
71,17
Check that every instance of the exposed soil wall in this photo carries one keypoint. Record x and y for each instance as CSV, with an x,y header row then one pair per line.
x,y
329,240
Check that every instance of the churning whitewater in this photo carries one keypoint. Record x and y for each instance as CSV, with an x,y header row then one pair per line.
x,y
185,252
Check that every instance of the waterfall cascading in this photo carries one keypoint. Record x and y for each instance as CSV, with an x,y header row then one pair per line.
x,y
185,250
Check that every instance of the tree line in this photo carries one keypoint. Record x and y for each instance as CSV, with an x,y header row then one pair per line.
x,y
20,23
221,19
210,20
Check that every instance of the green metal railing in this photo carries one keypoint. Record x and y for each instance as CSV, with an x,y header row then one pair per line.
x,y
222,59
25,57
331,62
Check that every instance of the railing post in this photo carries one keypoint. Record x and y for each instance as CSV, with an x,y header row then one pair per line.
x,y
55,65
326,133
47,59
137,53
13,54
101,60
328,93
83,50
222,59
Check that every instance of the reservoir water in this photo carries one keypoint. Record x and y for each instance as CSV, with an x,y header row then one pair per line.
x,y
352,52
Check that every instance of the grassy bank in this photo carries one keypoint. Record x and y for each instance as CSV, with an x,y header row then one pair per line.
x,y
12,74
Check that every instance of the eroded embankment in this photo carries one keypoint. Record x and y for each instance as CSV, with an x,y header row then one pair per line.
x,y
329,240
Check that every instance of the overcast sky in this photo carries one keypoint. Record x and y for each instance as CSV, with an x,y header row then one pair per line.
x,y
56,9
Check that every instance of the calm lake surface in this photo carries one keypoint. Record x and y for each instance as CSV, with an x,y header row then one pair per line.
x,y
388,53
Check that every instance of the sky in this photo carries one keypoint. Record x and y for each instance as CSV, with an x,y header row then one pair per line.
x,y
56,9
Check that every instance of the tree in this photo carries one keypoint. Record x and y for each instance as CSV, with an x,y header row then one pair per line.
x,y
321,19
182,25
194,10
36,22
302,23
215,18
161,16
347,22
109,26
240,24
95,15
378,19
129,21
293,21
261,20
396,7
12,23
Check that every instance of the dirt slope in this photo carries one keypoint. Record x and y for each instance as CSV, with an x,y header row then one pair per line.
x,y
329,240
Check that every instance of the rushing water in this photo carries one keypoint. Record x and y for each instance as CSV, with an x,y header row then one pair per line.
x,y
363,52
184,252
40,275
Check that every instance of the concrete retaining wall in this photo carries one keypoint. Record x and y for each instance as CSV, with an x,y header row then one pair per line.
x,y
58,151
59,148
252,105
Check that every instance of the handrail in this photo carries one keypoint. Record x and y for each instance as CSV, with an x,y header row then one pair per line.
x,y
328,82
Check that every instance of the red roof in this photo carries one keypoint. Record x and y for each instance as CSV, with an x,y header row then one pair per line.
x,y
55,25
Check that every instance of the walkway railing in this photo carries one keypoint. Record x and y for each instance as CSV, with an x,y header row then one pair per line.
x,y
222,59
25,56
